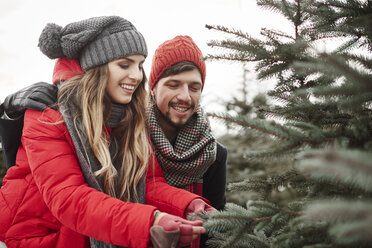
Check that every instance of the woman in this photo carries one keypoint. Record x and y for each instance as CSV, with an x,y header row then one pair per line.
x,y
83,171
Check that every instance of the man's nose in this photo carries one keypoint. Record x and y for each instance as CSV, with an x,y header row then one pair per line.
x,y
184,94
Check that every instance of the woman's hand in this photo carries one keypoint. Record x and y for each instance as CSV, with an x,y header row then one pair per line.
x,y
185,230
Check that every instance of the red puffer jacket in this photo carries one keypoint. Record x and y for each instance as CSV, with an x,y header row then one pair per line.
x,y
45,202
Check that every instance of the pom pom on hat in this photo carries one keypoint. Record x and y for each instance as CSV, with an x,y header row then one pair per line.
x,y
170,52
50,41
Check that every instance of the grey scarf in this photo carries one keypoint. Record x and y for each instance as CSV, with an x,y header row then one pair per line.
x,y
87,160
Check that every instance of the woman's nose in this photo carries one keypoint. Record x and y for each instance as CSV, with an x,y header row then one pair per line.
x,y
136,74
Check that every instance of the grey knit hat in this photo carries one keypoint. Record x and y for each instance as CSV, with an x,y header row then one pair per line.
x,y
94,41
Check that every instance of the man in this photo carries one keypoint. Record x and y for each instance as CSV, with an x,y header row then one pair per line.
x,y
190,156
179,131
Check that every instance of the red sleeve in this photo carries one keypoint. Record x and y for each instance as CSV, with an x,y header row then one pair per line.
x,y
163,196
76,205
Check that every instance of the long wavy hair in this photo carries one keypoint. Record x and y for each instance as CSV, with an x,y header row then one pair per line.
x,y
88,91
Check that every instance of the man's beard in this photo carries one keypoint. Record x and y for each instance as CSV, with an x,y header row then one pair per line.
x,y
167,118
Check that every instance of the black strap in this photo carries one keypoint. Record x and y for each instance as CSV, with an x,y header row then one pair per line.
x,y
10,135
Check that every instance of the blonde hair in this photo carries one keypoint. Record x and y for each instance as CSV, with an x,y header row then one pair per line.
x,y
88,91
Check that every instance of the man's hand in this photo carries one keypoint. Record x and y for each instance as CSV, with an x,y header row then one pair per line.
x,y
37,96
196,207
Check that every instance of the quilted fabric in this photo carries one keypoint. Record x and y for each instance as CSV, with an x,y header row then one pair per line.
x,y
45,202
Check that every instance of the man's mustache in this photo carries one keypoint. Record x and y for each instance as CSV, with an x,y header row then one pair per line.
x,y
189,105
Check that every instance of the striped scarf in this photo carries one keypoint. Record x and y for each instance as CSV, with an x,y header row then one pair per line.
x,y
193,151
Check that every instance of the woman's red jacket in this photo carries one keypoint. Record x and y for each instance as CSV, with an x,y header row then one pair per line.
x,y
45,202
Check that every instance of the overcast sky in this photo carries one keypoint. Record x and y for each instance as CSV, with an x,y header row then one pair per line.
x,y
21,22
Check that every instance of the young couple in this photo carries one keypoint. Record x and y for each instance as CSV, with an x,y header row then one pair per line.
x,y
105,166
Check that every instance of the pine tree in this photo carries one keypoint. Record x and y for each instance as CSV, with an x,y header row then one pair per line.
x,y
238,141
322,123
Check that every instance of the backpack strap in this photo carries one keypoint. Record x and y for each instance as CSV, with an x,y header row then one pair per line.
x,y
10,135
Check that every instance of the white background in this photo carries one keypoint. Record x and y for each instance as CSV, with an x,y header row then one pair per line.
x,y
21,22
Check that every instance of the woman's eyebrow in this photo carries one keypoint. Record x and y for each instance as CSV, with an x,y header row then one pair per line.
x,y
132,60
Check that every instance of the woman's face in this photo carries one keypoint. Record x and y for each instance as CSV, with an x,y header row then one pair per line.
x,y
124,76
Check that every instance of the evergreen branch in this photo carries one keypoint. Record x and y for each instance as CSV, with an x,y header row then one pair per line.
x,y
356,101
282,94
296,206
313,133
262,208
350,220
254,50
250,52
279,152
272,114
244,49
338,69
250,184
246,240
361,60
297,18
271,37
348,166
292,213
324,101
354,233
244,123
349,18
235,236
230,57
235,216
337,4
316,35
278,33
322,114
235,32
280,131
282,7
340,91
348,44
285,178
271,5
272,70
326,91
347,70
311,235
266,184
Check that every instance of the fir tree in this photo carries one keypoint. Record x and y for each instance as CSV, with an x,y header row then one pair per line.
x,y
322,123
239,141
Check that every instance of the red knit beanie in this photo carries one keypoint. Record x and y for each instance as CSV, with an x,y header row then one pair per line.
x,y
180,48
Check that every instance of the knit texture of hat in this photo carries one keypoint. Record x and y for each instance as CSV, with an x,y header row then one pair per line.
x,y
180,48
94,41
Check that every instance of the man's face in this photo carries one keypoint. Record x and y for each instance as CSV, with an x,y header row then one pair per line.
x,y
177,96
